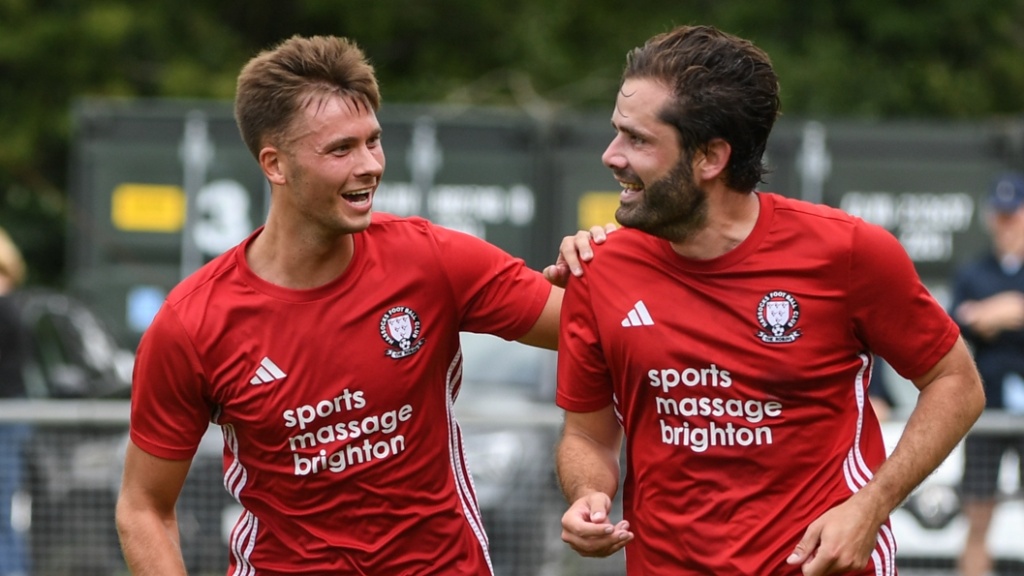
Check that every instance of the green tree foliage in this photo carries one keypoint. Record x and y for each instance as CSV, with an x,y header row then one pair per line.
x,y
874,59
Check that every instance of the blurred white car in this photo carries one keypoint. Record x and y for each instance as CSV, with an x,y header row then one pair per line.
x,y
72,467
506,408
929,526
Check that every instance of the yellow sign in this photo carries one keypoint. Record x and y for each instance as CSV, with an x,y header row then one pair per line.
x,y
597,209
148,208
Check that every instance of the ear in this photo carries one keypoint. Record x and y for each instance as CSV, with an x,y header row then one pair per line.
x,y
273,164
712,162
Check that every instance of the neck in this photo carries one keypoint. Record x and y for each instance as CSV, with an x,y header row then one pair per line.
x,y
299,261
731,218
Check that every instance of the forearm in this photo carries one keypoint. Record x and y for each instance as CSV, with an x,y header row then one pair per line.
x,y
988,317
945,411
585,466
151,548
150,544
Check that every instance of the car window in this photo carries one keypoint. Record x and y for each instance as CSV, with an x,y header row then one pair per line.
x,y
47,356
71,353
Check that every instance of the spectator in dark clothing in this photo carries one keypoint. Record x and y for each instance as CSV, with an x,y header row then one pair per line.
x,y
988,303
13,347
880,394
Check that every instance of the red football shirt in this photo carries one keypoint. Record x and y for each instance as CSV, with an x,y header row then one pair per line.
x,y
336,402
741,381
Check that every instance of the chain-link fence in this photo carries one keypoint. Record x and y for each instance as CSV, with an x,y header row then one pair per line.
x,y
70,466
930,526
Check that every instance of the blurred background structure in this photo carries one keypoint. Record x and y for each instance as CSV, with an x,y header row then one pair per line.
x,y
868,61
121,171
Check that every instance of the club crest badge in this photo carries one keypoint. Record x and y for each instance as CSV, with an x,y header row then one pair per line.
x,y
778,313
400,328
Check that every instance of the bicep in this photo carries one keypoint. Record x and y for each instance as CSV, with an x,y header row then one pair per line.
x,y
886,295
950,401
151,483
544,332
956,366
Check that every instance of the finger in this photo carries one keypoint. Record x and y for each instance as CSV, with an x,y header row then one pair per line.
x,y
805,548
622,535
557,274
619,543
596,547
816,565
600,233
581,242
569,253
579,522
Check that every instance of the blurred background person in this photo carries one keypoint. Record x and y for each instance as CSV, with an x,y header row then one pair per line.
x,y
988,303
13,348
880,392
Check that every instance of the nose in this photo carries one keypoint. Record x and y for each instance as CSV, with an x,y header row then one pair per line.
x,y
612,157
371,161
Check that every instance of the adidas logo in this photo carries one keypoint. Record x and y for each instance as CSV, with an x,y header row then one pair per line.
x,y
638,316
267,372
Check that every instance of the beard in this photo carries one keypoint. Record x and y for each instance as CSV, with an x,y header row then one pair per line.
x,y
672,208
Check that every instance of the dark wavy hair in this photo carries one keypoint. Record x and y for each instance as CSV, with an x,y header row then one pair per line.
x,y
723,86
276,83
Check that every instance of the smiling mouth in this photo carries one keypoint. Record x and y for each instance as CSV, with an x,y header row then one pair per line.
x,y
630,191
358,197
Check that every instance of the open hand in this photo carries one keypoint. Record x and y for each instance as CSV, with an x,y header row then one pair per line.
x,y
573,250
587,529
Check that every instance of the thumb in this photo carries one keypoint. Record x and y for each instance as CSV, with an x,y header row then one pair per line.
x,y
804,550
557,274
599,505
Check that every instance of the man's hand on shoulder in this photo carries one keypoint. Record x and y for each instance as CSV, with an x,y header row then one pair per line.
x,y
573,251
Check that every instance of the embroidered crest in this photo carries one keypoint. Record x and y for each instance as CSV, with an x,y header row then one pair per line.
x,y
778,313
400,328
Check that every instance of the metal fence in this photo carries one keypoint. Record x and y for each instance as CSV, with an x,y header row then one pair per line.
x,y
70,468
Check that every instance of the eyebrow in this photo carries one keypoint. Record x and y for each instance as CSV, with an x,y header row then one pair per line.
x,y
347,141
632,131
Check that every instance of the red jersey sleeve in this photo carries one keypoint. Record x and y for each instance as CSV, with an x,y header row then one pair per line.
x,y
584,381
496,293
169,414
893,312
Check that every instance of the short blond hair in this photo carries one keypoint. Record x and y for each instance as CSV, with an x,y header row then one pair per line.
x,y
12,264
